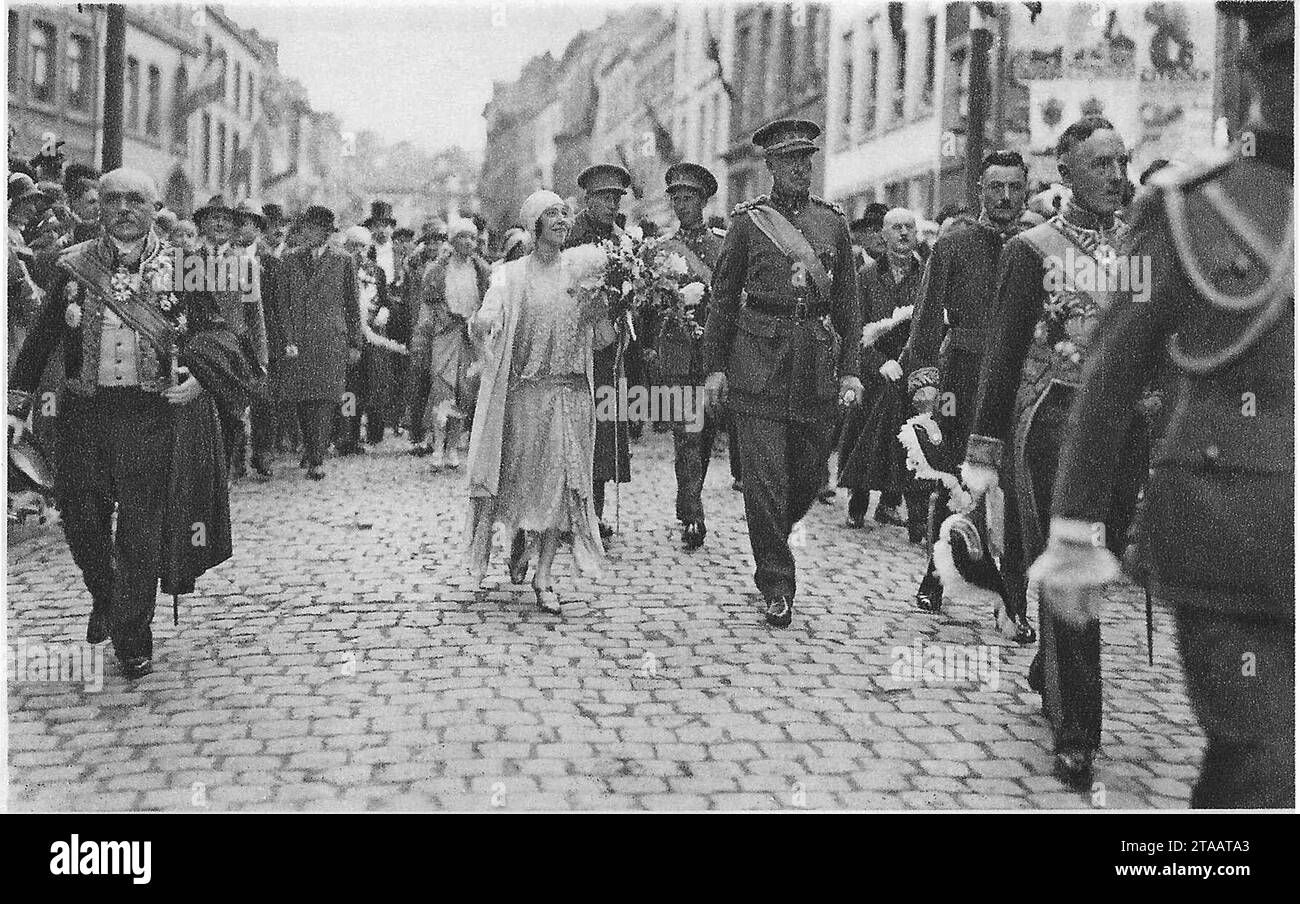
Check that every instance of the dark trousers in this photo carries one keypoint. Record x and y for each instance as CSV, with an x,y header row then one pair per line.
x,y
691,453
347,423
262,417
417,394
315,417
1248,714
733,448
117,451
598,498
783,466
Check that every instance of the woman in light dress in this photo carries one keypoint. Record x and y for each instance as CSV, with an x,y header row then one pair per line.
x,y
534,424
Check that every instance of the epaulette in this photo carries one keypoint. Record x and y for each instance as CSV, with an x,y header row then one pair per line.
x,y
750,204
824,203
1233,230
718,231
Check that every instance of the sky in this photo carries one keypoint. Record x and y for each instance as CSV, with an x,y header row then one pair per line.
x,y
420,72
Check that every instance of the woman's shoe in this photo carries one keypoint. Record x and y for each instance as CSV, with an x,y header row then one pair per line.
x,y
547,599
453,458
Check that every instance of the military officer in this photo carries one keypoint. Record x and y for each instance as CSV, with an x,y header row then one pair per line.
x,y
603,186
677,347
785,358
1219,513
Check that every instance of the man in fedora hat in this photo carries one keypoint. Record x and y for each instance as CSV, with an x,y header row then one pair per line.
x,y
316,305
603,186
787,358
677,346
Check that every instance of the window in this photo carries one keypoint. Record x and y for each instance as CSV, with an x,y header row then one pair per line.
x,y
873,89
898,34
239,84
180,122
15,49
234,158
153,113
767,83
43,38
207,148
931,52
221,155
132,93
80,79
706,136
846,87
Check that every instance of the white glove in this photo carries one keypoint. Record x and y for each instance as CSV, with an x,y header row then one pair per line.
x,y
692,294
979,479
891,371
381,318
15,426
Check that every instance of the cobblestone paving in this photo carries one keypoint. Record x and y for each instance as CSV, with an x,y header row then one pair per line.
x,y
342,662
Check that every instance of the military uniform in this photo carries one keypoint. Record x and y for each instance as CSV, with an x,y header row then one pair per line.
x,y
680,358
1028,379
1219,513
784,344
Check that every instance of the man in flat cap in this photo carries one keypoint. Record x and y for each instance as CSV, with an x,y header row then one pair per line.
x,y
1218,528
678,351
604,185
789,356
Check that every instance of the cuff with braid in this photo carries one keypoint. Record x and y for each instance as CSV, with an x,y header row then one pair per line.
x,y
921,378
984,450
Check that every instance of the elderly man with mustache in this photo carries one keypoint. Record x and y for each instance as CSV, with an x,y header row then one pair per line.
x,y
144,363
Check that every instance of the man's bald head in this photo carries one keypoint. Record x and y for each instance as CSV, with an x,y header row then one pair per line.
x,y
127,203
127,179
900,232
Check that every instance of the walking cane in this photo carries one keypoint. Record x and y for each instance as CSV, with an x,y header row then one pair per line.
x,y
175,381
618,373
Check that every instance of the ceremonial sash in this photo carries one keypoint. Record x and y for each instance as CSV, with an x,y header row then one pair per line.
x,y
137,314
791,243
693,260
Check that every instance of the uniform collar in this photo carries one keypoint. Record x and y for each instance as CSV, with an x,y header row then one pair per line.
x,y
793,202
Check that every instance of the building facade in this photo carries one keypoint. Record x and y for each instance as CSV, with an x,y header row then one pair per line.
x,y
884,122
779,71
54,77
704,36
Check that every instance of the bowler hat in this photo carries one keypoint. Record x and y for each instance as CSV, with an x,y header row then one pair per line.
x,y
788,136
691,175
380,212
251,209
318,216
604,177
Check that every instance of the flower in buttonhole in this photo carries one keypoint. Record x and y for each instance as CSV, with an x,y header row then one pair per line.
x,y
72,316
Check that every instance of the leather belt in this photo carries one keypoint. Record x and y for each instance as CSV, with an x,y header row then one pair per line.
x,y
798,310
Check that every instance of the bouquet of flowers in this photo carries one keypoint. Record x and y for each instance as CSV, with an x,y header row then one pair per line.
x,y
673,292
625,275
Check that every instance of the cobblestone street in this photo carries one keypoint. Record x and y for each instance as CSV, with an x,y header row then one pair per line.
x,y
340,661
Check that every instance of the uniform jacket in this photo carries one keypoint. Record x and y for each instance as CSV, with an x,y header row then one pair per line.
x,y
1219,513
782,368
1026,388
317,307
680,356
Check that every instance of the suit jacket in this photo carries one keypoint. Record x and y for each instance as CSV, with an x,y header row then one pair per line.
x,y
317,309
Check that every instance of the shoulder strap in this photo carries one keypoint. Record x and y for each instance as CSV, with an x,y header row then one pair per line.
x,y
791,242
